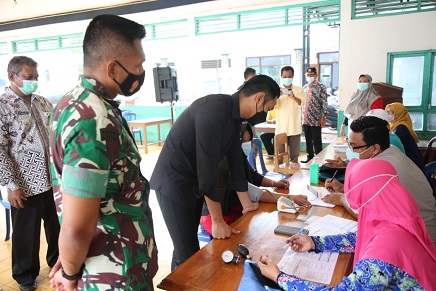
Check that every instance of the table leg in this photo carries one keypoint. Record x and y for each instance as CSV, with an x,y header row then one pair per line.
x,y
158,134
145,140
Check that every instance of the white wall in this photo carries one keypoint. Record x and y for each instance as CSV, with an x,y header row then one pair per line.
x,y
365,43
188,52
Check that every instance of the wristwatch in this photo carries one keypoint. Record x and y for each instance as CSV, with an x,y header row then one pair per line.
x,y
12,186
74,277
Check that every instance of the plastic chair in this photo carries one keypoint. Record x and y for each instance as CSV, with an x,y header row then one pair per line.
x,y
252,161
252,156
428,151
203,235
282,162
7,207
129,116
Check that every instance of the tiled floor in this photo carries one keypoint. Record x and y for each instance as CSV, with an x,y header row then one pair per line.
x,y
163,240
161,233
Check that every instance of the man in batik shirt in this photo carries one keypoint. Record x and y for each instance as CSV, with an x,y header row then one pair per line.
x,y
24,170
106,240
314,113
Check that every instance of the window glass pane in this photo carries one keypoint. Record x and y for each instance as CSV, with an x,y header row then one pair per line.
x,y
335,79
4,60
408,73
433,84
252,62
325,75
328,57
279,60
417,120
55,80
272,71
431,121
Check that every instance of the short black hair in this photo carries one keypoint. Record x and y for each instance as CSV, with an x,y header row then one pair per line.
x,y
287,68
15,64
261,83
374,130
245,126
109,36
249,72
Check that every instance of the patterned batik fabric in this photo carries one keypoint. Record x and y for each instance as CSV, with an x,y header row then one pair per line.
x,y
24,142
316,105
367,274
94,156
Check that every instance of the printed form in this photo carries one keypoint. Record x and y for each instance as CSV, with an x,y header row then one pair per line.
x,y
317,267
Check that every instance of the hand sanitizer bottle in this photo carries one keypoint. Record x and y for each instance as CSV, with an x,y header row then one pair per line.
x,y
314,170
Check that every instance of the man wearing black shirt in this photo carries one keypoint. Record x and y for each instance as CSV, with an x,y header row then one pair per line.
x,y
186,173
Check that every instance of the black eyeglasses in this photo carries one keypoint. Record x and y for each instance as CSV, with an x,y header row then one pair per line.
x,y
353,149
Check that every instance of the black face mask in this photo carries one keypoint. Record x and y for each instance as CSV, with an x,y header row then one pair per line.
x,y
132,83
259,117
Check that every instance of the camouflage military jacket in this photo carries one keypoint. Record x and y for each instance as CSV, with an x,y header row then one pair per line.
x,y
93,155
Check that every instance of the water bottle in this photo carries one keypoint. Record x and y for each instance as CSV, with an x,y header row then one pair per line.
x,y
314,170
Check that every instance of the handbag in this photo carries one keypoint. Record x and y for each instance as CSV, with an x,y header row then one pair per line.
x,y
326,172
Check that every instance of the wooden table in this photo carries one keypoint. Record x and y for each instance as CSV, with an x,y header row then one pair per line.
x,y
205,270
265,127
143,123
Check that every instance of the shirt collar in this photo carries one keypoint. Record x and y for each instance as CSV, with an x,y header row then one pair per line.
x,y
236,114
94,86
14,96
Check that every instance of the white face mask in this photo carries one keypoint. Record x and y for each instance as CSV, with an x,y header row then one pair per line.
x,y
246,147
310,79
287,81
373,196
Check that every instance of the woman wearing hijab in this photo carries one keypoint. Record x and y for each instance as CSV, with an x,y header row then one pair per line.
x,y
401,125
392,250
362,101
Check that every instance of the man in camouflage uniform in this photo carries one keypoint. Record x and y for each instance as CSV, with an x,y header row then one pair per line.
x,y
106,240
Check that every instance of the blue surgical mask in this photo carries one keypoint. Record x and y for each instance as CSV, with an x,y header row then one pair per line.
x,y
246,147
287,81
29,86
310,79
362,86
352,155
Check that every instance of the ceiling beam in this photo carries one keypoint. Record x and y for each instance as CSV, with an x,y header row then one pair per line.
x,y
91,13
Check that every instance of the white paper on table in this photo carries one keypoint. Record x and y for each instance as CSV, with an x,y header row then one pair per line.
x,y
309,266
317,201
331,225
317,267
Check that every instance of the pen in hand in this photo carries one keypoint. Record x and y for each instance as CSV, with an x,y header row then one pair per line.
x,y
334,175
302,231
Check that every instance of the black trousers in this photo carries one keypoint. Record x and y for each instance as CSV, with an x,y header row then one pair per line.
x,y
182,224
26,232
268,141
313,139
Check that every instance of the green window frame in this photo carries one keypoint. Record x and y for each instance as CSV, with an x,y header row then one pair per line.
x,y
376,8
47,43
415,72
166,30
302,14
